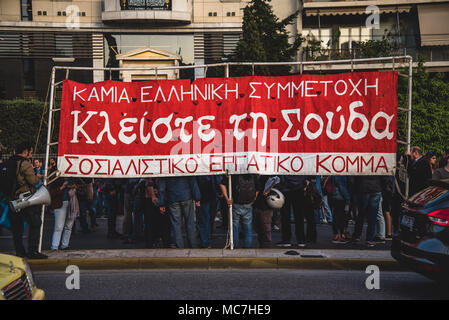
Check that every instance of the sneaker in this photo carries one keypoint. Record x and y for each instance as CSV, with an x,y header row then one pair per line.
x,y
336,239
379,240
389,237
370,243
284,244
276,228
355,241
37,256
301,245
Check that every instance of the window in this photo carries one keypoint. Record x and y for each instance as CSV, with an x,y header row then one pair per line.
x,y
64,45
26,10
315,36
28,74
233,14
215,14
210,14
348,36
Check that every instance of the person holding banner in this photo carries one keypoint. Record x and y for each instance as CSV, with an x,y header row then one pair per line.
x,y
245,189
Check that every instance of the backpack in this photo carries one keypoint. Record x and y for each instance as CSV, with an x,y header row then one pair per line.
x,y
313,196
328,187
245,189
8,177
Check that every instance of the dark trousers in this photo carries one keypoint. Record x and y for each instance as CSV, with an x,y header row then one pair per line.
x,y
30,215
110,204
224,208
396,207
301,209
262,223
84,208
340,219
128,214
157,225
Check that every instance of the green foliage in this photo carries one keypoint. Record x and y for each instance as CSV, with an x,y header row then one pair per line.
x,y
19,122
373,48
264,39
430,109
430,97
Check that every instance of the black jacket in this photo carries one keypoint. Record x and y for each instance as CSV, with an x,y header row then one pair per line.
x,y
419,173
292,183
372,184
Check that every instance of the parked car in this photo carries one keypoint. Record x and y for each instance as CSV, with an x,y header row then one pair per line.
x,y
422,243
16,280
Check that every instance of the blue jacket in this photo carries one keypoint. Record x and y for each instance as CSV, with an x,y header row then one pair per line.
x,y
176,189
341,189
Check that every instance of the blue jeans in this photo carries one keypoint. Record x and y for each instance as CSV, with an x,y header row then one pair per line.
x,y
63,227
138,214
327,209
380,222
243,213
178,210
369,204
204,225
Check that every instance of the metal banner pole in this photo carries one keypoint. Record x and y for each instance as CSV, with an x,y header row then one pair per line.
x,y
47,152
231,231
409,116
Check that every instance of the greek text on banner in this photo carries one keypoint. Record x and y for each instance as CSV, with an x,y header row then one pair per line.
x,y
302,124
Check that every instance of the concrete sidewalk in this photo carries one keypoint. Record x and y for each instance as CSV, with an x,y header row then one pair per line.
x,y
216,259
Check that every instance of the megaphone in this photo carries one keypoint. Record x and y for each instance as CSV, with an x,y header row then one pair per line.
x,y
40,197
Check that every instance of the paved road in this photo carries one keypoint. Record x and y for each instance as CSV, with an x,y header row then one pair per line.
x,y
238,285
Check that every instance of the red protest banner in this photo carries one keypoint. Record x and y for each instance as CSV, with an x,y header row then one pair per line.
x,y
302,124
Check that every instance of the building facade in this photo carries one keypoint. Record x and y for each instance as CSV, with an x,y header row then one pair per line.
x,y
38,34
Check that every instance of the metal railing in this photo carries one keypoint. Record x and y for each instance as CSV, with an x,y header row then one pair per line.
x,y
393,61
430,54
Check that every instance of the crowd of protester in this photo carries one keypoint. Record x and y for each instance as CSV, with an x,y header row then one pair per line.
x,y
157,210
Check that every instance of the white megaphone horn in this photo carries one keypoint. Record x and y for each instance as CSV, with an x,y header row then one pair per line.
x,y
40,197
